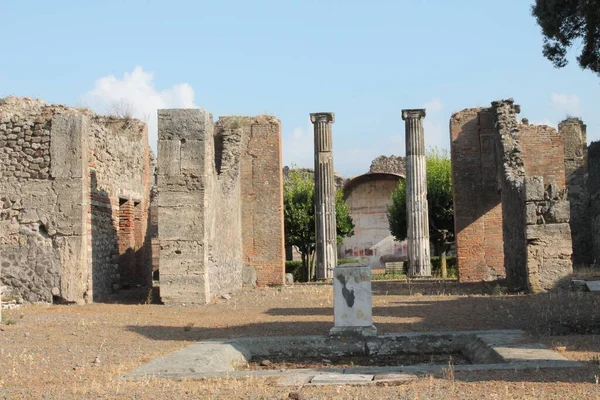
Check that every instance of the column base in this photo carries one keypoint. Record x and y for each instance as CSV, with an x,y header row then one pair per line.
x,y
353,331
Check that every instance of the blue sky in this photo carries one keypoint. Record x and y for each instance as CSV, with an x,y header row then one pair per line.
x,y
365,61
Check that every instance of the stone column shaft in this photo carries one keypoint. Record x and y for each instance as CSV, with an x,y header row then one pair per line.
x,y
325,225
416,195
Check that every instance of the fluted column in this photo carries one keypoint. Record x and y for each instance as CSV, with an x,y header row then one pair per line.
x,y
326,246
416,194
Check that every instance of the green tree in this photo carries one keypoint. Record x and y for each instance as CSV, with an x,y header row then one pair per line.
x,y
299,216
440,204
568,22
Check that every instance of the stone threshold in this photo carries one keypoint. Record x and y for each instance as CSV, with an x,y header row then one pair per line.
x,y
487,350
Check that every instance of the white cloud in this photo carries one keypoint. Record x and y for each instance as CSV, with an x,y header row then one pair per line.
x,y
568,103
434,105
136,92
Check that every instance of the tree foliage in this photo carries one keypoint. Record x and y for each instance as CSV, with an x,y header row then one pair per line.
x,y
568,22
299,215
439,198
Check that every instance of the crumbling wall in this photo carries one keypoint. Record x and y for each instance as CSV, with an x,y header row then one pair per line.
x,y
44,195
574,136
594,196
477,200
199,207
62,171
120,191
498,162
392,164
224,210
261,197
511,175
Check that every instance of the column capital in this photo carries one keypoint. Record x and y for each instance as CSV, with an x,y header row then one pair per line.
x,y
416,113
327,117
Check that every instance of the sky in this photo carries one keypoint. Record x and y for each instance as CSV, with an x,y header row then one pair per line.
x,y
363,60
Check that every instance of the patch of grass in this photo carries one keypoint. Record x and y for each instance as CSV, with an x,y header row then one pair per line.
x,y
7,321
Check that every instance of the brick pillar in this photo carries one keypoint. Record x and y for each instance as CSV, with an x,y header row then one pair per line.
x,y
126,242
326,236
416,194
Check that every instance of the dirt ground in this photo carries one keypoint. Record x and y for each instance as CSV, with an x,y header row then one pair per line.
x,y
78,352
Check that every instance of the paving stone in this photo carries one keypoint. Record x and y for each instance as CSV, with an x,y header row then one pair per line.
x,y
395,377
294,380
341,378
593,286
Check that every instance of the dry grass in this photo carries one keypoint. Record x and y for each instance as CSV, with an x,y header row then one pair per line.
x,y
75,352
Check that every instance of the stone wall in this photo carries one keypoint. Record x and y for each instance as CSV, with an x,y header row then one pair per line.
x,y
575,143
120,192
594,196
261,197
519,167
199,209
220,204
61,172
44,198
477,200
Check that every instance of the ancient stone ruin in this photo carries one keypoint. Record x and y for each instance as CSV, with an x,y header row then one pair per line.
x,y
417,213
520,198
75,193
74,196
220,196
326,236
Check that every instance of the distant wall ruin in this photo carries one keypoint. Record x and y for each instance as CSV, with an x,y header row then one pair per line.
x,y
219,204
593,186
511,211
576,167
63,174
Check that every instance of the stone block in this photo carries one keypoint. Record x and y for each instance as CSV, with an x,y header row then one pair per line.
x,y
73,275
593,286
249,276
69,133
188,124
180,199
341,379
184,289
193,157
543,233
181,223
169,157
352,300
559,212
534,188
531,214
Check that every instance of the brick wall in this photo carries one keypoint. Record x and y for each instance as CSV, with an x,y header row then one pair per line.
x,y
511,213
477,206
261,197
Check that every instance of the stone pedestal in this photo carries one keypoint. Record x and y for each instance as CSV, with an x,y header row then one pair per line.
x,y
326,237
416,195
352,306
